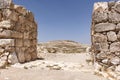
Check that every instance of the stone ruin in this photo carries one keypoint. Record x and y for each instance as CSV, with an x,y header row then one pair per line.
x,y
18,34
105,37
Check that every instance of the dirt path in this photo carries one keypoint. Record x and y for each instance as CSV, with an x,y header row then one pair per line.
x,y
54,67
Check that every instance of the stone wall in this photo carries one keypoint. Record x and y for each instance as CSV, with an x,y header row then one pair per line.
x,y
18,33
105,34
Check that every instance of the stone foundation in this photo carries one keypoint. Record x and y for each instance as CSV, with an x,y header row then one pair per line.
x,y
105,37
18,34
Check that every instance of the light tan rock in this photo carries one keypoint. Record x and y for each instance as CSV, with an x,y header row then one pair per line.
x,y
10,14
111,36
5,3
18,42
102,27
98,37
115,60
114,17
20,54
8,42
26,42
5,34
6,24
15,34
20,9
114,47
12,58
103,5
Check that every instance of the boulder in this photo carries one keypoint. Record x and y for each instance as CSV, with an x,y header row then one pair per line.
x,y
114,47
111,36
102,27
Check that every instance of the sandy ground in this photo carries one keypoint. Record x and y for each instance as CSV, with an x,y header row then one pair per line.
x,y
54,67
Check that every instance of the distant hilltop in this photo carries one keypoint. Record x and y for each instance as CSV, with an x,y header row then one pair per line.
x,y
62,46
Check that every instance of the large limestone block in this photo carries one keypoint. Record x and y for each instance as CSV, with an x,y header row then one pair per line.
x,y
34,55
112,36
20,9
20,54
99,16
18,42
114,47
7,42
27,35
117,6
5,3
115,60
102,27
5,34
100,46
10,14
98,37
26,43
6,24
102,5
114,17
15,34
118,35
30,16
27,55
118,27
12,58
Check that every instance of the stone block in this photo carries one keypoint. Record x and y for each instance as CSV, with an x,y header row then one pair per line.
x,y
5,34
27,35
20,9
34,55
101,46
19,42
10,14
102,27
114,17
20,54
16,35
5,3
114,47
98,37
7,42
27,43
6,24
112,36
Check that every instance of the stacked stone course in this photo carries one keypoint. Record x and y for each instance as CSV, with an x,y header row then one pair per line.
x,y
18,33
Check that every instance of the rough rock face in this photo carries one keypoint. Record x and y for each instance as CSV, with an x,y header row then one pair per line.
x,y
105,34
18,34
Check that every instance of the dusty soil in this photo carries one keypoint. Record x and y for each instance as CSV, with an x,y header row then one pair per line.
x,y
54,67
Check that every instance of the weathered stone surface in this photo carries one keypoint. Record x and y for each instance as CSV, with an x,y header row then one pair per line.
x,y
117,68
118,35
18,42
98,37
6,24
115,60
101,55
117,6
9,14
5,3
101,27
15,34
114,17
111,36
8,42
101,46
18,34
115,47
20,54
12,59
27,43
20,9
100,16
5,34
102,5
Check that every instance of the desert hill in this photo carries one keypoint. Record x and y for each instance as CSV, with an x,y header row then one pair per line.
x,y
62,46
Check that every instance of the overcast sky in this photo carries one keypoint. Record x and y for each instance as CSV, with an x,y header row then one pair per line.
x,y
62,19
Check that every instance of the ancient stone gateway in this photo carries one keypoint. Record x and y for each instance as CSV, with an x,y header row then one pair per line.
x,y
105,35
18,33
